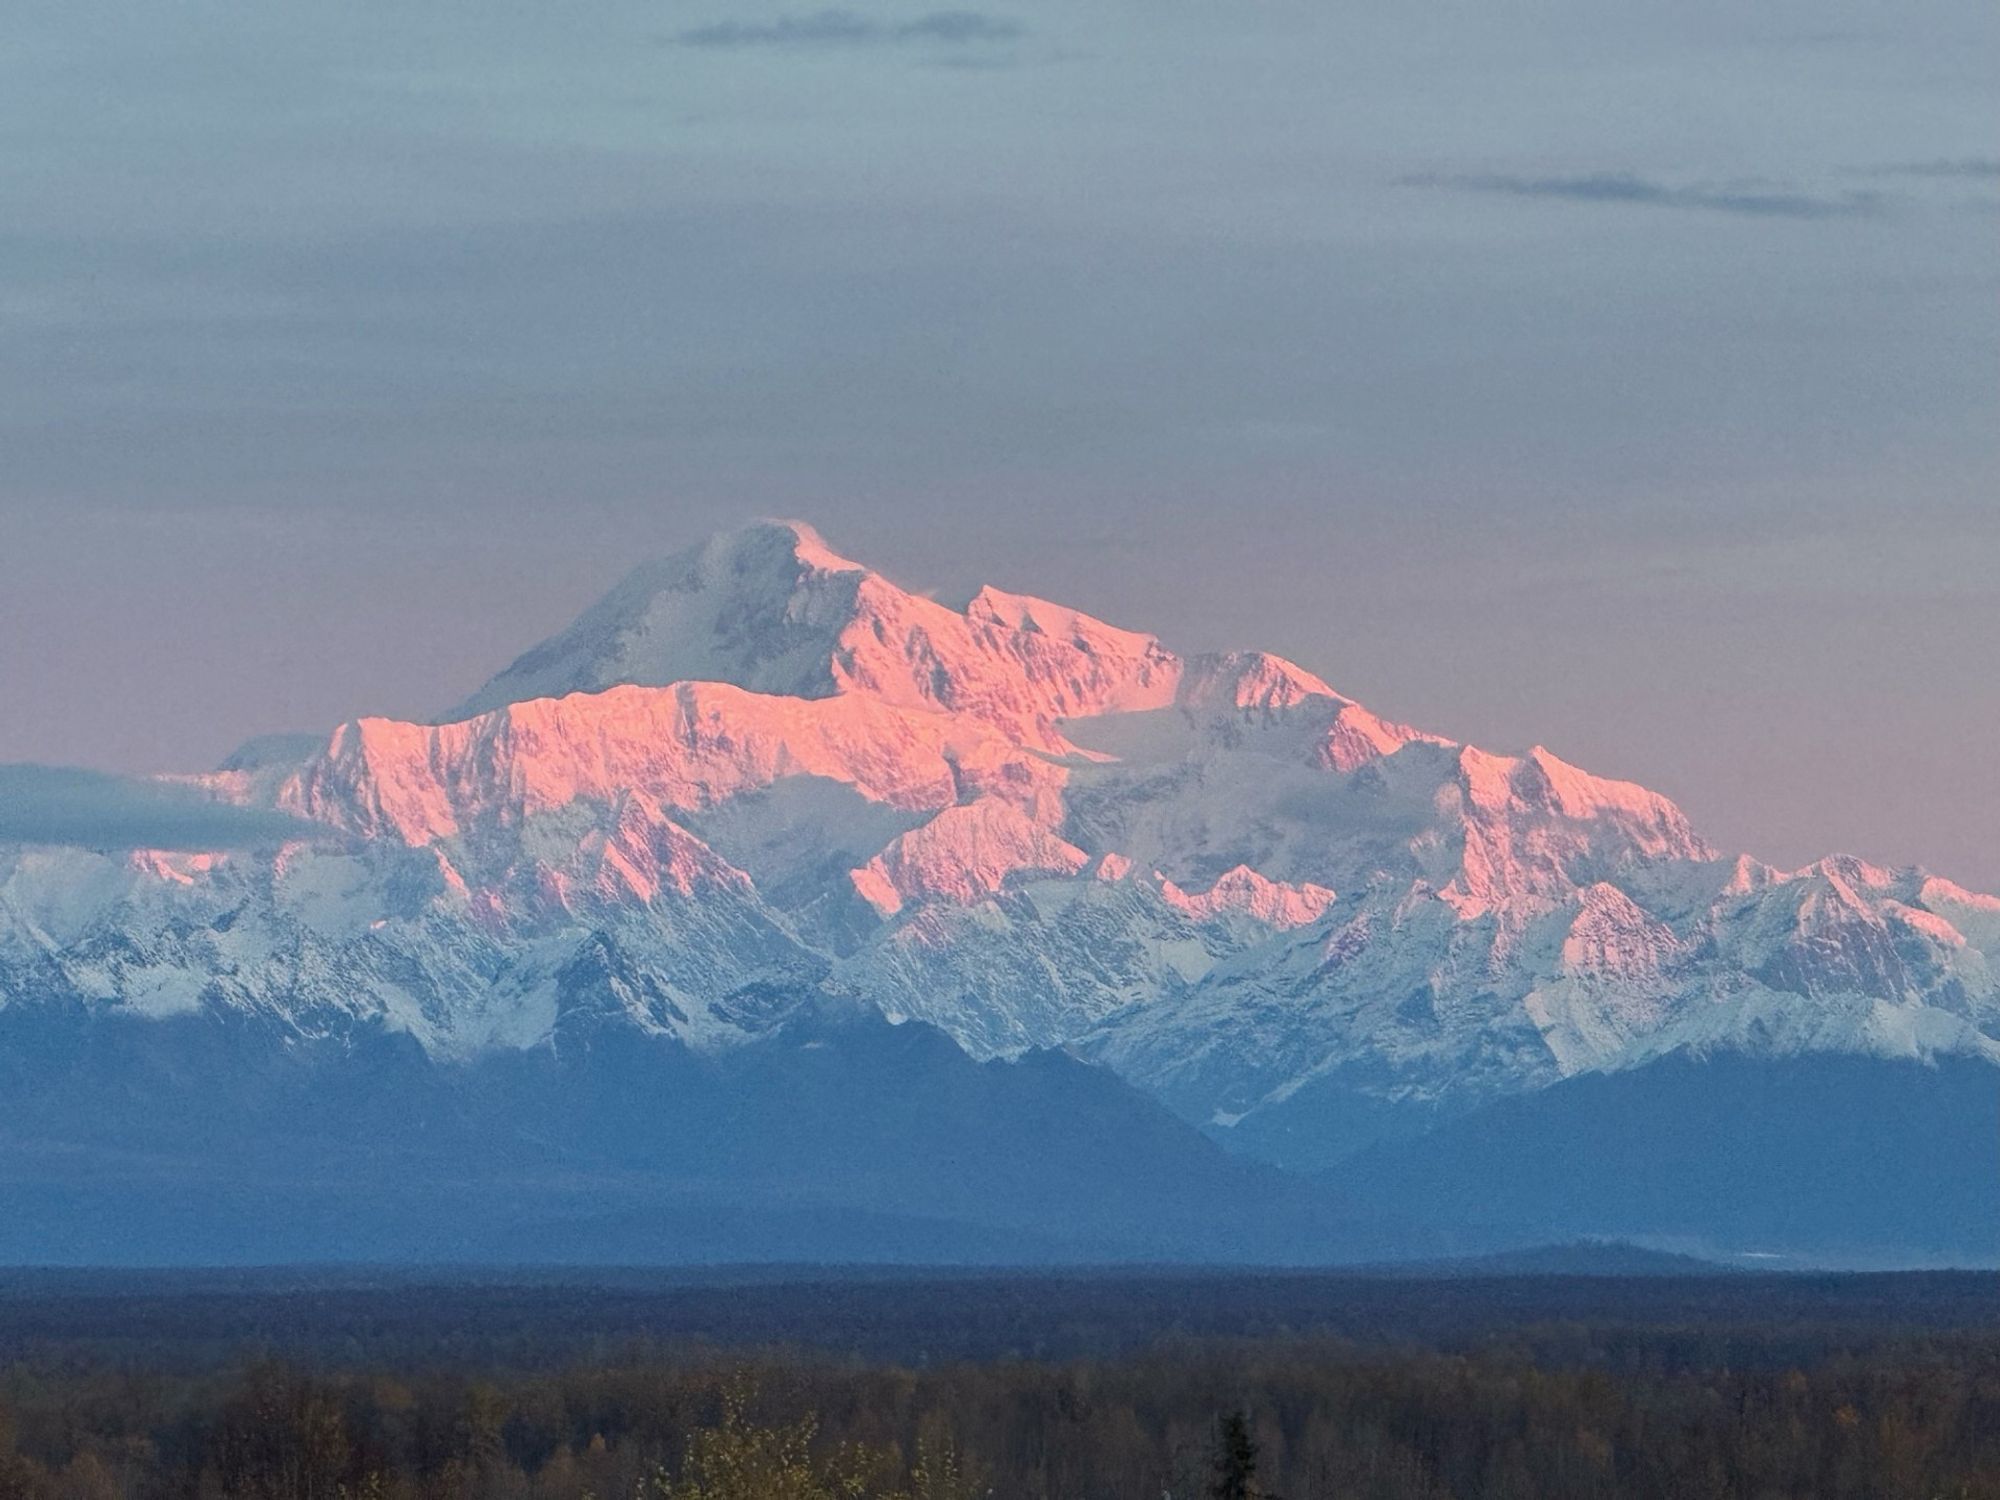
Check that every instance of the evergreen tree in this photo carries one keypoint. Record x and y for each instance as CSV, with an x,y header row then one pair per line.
x,y
1235,1460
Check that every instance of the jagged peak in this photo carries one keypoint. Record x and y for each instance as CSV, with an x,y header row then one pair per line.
x,y
769,542
1609,933
761,607
1250,680
804,540
1975,915
964,854
1032,616
1357,738
1748,873
1246,892
1543,781
1936,890
1856,874
771,608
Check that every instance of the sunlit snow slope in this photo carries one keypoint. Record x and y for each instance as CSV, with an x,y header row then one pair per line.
x,y
758,774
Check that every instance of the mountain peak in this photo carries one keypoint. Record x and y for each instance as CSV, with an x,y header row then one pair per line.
x,y
760,607
769,549
805,541
772,609
757,773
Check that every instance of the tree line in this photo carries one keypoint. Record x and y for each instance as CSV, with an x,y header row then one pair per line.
x,y
1270,1419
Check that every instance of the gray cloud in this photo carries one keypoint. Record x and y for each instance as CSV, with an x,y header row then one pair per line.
x,y
960,26
1973,168
1756,200
68,805
844,28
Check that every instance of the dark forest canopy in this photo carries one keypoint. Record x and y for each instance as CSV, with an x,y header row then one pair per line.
x,y
319,1385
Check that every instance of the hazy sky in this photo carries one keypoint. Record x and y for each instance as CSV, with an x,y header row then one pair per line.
x,y
1623,378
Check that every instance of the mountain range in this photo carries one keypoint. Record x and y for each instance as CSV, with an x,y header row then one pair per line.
x,y
773,910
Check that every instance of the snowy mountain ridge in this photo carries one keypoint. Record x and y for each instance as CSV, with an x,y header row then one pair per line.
x,y
758,774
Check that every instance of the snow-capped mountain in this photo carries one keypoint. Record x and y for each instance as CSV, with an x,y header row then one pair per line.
x,y
758,776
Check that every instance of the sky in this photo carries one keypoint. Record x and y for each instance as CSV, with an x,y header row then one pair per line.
x,y
1618,378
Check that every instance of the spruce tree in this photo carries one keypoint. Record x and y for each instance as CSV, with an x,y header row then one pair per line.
x,y
1235,1460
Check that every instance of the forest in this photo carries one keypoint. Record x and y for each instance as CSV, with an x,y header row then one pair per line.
x,y
1068,1388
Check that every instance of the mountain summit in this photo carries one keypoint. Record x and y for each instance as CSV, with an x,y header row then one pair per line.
x,y
758,783
773,610
763,608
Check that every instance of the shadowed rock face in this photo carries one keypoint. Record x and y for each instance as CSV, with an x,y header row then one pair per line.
x,y
758,772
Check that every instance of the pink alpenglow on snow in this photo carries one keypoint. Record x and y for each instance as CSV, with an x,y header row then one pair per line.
x,y
1243,891
760,760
